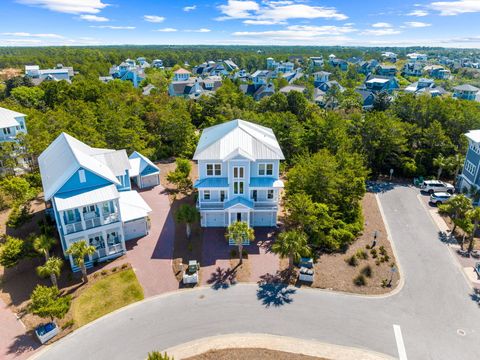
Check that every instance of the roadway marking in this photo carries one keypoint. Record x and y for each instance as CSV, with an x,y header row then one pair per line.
x,y
402,354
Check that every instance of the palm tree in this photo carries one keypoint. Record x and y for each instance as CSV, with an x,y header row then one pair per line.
x,y
187,214
440,162
52,268
42,244
455,162
292,244
239,231
474,216
456,207
79,250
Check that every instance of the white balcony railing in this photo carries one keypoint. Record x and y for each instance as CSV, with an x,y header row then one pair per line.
x,y
110,218
114,249
73,227
93,222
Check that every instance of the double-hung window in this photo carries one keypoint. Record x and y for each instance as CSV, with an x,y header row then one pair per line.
x,y
270,194
214,169
265,169
206,194
238,187
238,172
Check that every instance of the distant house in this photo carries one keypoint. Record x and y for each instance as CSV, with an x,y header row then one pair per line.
x,y
389,56
286,89
425,86
327,86
193,87
126,71
376,84
258,91
386,70
315,63
157,64
416,57
12,124
466,92
437,72
37,75
143,62
367,67
412,69
368,98
238,168
341,64
292,76
241,75
320,77
88,192
181,75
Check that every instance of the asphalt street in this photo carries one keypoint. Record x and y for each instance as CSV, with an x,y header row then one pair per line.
x,y
433,310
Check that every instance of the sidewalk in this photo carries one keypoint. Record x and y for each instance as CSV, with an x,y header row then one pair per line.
x,y
15,343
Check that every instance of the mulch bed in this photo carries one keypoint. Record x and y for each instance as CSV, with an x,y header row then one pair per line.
x,y
334,273
250,353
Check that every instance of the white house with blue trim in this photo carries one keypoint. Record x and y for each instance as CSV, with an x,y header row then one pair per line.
x,y
13,124
238,167
89,194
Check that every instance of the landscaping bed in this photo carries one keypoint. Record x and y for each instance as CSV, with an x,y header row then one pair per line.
x,y
333,271
250,353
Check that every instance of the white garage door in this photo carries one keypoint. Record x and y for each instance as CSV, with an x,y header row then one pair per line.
x,y
214,219
135,229
150,181
263,219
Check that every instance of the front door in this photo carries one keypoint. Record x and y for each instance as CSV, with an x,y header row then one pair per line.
x,y
239,216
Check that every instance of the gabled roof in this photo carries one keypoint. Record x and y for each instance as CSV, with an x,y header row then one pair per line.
x,y
182,71
65,155
8,118
143,162
238,136
466,88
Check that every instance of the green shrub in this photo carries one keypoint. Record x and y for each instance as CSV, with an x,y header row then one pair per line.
x,y
382,250
352,260
367,271
124,266
68,324
360,280
361,254
157,355
103,272
368,247
114,269
373,252
11,251
384,283
19,215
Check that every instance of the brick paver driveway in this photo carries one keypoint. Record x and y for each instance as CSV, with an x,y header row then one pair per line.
x,y
216,255
151,256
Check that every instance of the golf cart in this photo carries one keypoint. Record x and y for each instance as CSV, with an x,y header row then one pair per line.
x,y
190,276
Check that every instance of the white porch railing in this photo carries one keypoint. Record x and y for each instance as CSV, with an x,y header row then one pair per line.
x,y
113,249
73,227
110,218
93,222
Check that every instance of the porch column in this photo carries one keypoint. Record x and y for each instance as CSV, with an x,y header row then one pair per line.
x,y
82,218
62,222
105,243
229,217
100,212
248,218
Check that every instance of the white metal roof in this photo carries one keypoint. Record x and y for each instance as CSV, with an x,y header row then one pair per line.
x,y
63,157
116,160
143,162
474,135
8,118
134,167
105,193
253,141
132,206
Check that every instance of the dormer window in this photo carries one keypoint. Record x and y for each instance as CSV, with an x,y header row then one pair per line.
x,y
214,169
265,169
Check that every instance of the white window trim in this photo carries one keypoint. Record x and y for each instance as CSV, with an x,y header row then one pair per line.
x,y
238,171
238,192
265,164
214,165
207,193
470,167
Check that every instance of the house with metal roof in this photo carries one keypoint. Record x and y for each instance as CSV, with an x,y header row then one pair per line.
x,y
128,70
470,174
143,172
60,72
466,92
238,167
12,124
89,195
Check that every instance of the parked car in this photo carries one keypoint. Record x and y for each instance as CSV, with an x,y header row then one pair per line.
x,y
432,186
306,274
46,331
190,276
439,198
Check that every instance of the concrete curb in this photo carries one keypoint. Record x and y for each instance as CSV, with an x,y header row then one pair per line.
x,y
273,342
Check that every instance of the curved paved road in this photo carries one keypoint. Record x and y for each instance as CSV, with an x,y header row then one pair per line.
x,y
432,305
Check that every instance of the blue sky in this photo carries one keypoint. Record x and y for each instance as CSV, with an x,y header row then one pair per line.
x,y
257,22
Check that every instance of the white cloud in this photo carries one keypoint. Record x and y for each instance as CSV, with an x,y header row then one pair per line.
x,y
94,18
381,32
202,30
26,34
166,30
382,25
450,8
153,18
68,6
189,8
306,33
417,24
111,27
263,22
419,13
276,12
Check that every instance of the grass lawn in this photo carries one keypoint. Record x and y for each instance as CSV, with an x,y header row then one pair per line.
x,y
106,295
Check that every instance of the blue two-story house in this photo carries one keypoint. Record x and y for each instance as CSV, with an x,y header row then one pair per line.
x,y
88,193
466,92
12,125
238,175
470,176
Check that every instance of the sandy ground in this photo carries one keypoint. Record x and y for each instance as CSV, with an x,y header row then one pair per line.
x,y
333,272
252,354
